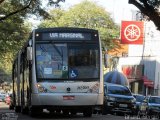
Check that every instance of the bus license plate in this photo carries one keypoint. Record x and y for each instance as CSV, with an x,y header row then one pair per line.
x,y
122,105
68,97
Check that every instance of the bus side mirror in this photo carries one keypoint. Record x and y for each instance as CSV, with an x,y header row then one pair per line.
x,y
106,60
29,53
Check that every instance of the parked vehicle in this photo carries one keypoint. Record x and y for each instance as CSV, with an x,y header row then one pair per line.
x,y
118,99
150,106
2,97
139,99
7,99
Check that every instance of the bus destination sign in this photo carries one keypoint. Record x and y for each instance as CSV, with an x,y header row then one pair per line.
x,y
66,36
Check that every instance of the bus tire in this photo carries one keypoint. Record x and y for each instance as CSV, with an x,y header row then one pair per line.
x,y
87,112
33,112
65,112
24,110
11,107
17,109
73,112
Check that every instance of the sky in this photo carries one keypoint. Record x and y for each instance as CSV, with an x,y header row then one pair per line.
x,y
118,9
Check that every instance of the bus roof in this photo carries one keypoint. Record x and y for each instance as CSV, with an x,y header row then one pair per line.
x,y
66,29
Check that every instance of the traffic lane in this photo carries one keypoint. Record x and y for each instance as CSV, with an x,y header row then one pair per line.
x,y
79,116
46,116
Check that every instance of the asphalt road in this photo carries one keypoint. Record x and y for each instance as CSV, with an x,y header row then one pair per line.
x,y
6,114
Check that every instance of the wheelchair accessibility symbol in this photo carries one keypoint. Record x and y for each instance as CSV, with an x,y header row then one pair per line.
x,y
73,73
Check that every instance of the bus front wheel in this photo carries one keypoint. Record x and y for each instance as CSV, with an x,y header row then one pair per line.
x,y
35,111
17,109
87,112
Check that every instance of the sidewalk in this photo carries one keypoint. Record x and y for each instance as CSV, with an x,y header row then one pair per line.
x,y
5,113
4,107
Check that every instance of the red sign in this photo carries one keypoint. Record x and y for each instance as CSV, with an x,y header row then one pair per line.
x,y
132,32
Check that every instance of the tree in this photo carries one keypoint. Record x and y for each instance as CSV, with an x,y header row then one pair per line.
x,y
13,29
12,37
85,15
13,33
149,8
25,7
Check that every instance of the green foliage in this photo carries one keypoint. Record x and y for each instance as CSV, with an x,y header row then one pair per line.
x,y
26,8
13,33
53,21
12,37
85,15
154,3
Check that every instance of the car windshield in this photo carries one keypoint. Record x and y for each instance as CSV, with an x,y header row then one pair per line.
x,y
154,100
119,90
139,98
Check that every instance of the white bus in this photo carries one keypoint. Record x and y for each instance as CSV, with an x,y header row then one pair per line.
x,y
59,69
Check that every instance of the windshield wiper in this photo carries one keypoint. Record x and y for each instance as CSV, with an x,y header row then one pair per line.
x,y
56,48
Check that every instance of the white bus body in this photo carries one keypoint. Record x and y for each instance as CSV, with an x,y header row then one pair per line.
x,y
61,71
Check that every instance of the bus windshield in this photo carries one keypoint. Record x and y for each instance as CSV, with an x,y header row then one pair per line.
x,y
67,61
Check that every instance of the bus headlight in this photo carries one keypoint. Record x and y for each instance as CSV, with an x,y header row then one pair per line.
x,y
94,89
41,89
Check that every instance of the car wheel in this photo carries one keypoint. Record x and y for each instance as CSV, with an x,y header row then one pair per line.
x,y
105,110
65,112
73,112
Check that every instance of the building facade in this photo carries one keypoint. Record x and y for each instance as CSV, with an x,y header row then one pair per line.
x,y
142,64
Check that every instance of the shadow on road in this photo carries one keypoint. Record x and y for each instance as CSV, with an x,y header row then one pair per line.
x,y
57,116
